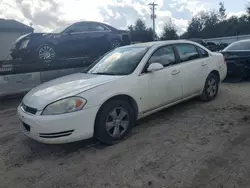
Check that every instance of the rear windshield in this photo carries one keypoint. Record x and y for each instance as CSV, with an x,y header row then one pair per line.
x,y
240,45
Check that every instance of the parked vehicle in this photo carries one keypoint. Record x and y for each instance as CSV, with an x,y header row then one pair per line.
x,y
237,57
77,40
126,84
199,41
222,45
210,45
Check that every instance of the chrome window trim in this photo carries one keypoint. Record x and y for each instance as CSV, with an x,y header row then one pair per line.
x,y
108,30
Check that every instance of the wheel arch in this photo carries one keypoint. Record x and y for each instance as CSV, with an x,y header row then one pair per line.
x,y
125,97
45,43
216,73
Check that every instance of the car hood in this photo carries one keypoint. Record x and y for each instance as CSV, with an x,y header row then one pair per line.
x,y
37,35
63,87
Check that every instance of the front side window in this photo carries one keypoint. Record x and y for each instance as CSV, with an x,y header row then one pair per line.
x,y
240,45
120,61
164,55
187,52
78,28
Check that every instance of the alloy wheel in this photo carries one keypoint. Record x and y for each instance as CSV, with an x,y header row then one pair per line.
x,y
46,53
115,44
117,122
211,87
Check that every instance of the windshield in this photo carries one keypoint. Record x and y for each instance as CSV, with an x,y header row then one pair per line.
x,y
60,29
240,45
121,61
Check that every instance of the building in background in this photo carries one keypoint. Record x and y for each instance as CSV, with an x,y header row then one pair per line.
x,y
10,30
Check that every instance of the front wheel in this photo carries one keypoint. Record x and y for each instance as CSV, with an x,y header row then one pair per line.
x,y
114,121
211,88
46,53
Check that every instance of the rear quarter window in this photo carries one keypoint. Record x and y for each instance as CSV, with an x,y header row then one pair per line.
x,y
203,53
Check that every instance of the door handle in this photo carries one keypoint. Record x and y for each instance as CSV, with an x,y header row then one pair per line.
x,y
203,64
174,72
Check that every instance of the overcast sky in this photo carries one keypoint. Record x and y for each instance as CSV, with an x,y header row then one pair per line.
x,y
46,15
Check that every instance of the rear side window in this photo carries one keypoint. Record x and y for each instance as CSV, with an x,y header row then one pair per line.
x,y
187,52
164,55
97,27
203,52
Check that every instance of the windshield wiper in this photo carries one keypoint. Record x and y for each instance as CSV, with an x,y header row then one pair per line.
x,y
104,73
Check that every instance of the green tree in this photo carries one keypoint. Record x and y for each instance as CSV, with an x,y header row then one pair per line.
x,y
202,25
139,32
248,9
169,32
222,11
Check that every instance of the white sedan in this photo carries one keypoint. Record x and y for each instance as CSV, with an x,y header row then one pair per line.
x,y
124,85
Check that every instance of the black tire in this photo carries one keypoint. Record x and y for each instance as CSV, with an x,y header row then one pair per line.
x,y
210,91
103,118
115,44
52,54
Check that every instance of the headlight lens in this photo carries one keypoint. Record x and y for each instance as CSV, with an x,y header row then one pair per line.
x,y
63,106
24,44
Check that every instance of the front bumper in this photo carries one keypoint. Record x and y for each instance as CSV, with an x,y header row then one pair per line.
x,y
22,53
58,129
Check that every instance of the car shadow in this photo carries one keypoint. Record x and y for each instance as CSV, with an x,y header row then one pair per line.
x,y
236,80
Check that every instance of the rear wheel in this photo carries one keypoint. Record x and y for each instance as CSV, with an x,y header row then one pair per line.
x,y
114,121
115,44
46,53
211,88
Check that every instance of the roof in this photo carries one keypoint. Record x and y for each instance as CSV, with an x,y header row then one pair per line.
x,y
13,25
109,26
150,44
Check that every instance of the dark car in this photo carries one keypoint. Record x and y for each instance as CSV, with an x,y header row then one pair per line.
x,y
77,40
198,40
212,46
237,57
209,45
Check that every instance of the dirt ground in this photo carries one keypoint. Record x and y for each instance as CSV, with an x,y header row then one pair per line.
x,y
193,144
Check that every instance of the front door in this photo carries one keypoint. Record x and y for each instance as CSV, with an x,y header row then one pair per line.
x,y
165,85
74,42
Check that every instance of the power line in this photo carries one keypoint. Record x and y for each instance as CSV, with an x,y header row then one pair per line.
x,y
153,16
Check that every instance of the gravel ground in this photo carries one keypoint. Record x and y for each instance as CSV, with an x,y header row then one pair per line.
x,y
193,144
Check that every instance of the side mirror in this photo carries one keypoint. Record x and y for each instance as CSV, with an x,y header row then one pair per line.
x,y
154,67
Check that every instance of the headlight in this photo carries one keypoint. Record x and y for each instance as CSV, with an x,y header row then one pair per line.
x,y
24,44
63,106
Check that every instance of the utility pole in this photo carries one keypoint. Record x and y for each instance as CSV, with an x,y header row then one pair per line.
x,y
153,16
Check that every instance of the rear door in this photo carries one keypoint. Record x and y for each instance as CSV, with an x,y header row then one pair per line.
x,y
193,67
99,40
